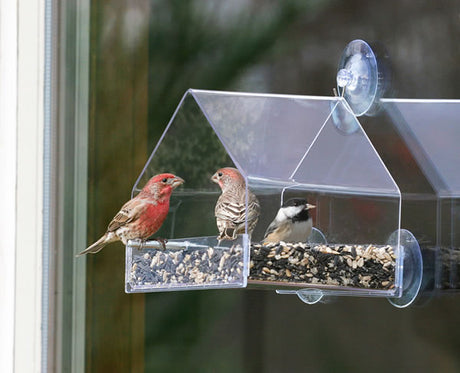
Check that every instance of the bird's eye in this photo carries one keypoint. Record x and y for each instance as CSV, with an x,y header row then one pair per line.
x,y
164,180
219,174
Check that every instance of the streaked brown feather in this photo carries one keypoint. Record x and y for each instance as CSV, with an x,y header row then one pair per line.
x,y
130,211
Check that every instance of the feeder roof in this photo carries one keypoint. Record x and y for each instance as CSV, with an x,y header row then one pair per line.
x,y
305,140
431,130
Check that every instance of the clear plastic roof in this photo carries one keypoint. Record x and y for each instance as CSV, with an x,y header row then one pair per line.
x,y
257,132
431,129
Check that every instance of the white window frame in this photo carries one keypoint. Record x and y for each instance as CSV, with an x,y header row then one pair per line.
x,y
32,331
21,188
8,150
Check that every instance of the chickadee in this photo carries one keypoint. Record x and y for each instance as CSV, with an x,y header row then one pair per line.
x,y
292,222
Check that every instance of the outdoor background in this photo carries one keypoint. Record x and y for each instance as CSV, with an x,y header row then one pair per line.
x,y
144,56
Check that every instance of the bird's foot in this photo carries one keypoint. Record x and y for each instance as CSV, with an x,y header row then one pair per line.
x,y
140,243
230,233
162,242
227,234
224,237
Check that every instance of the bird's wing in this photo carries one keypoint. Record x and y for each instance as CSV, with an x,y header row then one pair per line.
x,y
276,231
230,210
129,212
253,208
271,228
235,211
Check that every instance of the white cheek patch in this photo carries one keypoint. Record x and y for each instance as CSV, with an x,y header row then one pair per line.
x,y
289,212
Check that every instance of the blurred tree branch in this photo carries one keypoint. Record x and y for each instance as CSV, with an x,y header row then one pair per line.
x,y
189,47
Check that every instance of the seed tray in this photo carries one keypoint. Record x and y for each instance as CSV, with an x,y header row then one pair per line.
x,y
182,268
357,266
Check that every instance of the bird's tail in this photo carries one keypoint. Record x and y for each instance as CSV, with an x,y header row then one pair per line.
x,y
99,244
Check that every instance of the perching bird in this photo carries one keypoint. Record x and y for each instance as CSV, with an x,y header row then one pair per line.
x,y
230,208
292,222
142,216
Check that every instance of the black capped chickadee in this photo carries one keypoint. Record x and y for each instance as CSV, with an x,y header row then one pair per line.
x,y
292,222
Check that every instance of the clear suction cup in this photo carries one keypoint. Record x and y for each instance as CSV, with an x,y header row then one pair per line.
x,y
344,118
358,77
316,236
410,267
309,296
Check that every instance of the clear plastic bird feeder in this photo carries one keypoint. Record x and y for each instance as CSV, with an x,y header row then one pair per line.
x,y
284,146
431,131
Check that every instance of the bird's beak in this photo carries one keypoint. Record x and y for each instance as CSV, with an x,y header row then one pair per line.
x,y
176,182
214,178
308,206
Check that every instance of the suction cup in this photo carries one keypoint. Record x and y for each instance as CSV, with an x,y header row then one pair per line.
x,y
310,296
344,118
410,267
359,80
316,236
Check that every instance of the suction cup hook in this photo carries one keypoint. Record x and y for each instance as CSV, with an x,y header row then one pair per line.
x,y
409,266
358,78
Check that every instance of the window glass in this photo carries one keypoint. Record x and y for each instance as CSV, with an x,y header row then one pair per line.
x,y
143,56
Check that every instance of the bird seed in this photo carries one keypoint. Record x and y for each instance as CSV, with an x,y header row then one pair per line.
x,y
359,266
186,267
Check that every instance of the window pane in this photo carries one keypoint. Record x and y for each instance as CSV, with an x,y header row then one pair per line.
x,y
144,55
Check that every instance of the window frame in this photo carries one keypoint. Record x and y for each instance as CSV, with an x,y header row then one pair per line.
x,y
44,70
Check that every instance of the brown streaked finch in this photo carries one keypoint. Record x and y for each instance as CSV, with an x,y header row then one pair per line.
x,y
230,210
142,216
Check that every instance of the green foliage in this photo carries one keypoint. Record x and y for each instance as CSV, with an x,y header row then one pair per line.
x,y
190,149
208,45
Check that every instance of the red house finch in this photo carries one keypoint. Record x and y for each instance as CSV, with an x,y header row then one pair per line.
x,y
230,208
141,216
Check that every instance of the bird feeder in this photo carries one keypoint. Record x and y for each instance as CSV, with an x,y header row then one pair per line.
x,y
321,149
431,132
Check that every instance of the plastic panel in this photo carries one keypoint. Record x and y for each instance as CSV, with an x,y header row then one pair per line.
x,y
431,131
195,263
